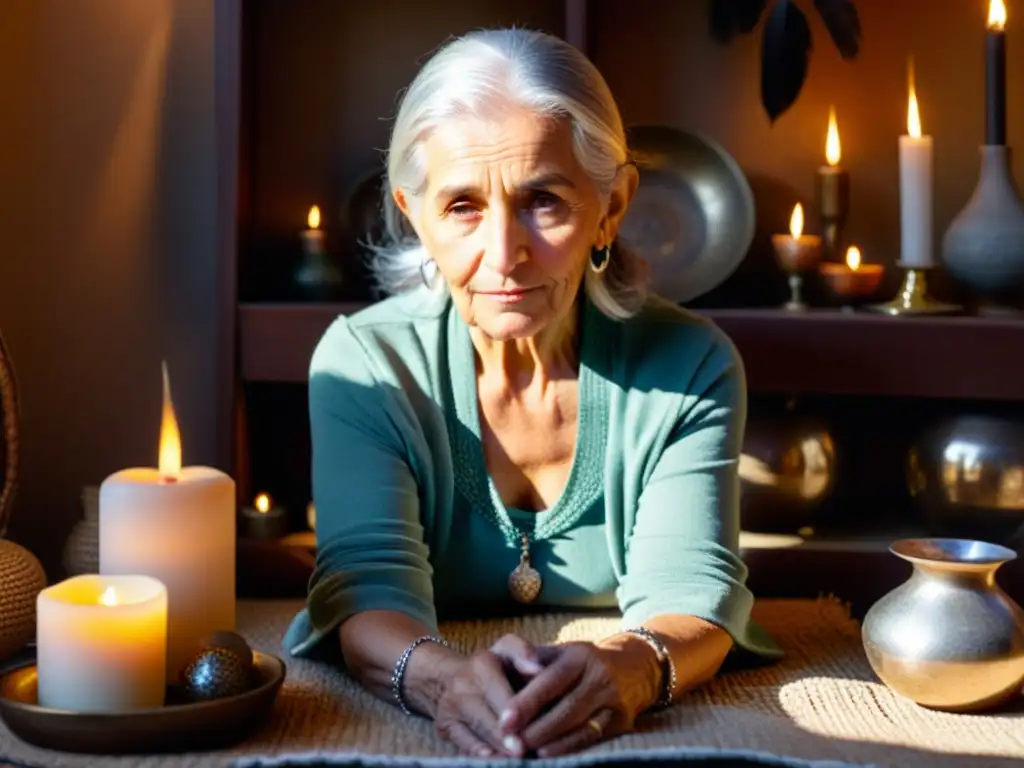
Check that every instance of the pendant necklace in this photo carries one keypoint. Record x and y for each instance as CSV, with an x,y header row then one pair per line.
x,y
524,583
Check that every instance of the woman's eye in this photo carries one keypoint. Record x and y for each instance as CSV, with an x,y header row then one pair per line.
x,y
462,210
545,201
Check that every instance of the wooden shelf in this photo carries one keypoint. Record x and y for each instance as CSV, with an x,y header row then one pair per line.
x,y
856,569
819,352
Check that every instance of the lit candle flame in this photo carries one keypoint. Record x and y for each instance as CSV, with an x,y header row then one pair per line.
x,y
913,113
262,503
796,221
313,220
833,150
853,257
997,15
109,597
170,437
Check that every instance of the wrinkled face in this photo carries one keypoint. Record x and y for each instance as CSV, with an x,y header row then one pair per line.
x,y
510,219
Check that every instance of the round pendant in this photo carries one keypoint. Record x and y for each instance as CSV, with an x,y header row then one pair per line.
x,y
524,583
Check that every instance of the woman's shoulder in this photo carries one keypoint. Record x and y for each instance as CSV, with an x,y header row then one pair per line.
x,y
404,327
665,339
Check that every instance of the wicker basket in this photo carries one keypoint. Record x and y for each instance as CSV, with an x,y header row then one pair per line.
x,y
9,412
21,579
21,575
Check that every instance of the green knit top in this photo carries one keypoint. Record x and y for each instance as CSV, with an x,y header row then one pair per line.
x,y
409,520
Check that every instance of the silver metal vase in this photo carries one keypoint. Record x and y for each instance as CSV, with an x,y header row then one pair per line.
x,y
948,638
984,245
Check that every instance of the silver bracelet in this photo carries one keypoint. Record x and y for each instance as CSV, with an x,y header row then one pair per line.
x,y
668,667
398,676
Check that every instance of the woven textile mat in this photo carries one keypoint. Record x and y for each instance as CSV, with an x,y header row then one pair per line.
x,y
819,706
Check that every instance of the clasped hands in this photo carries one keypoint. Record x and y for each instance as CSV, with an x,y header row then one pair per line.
x,y
517,698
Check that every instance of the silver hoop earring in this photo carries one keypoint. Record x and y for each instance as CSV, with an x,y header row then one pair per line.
x,y
600,258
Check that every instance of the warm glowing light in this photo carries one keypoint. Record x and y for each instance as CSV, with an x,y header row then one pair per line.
x,y
262,503
833,150
796,221
314,217
913,113
853,257
109,597
997,15
170,437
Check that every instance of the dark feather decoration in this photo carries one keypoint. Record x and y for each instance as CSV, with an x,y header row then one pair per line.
x,y
728,18
785,50
843,24
786,42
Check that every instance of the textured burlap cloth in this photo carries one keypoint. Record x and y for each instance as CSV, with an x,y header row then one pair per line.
x,y
819,706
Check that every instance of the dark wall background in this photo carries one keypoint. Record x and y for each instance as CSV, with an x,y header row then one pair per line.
x,y
107,241
324,77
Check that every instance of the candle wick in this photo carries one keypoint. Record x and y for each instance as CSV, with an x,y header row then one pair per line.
x,y
169,479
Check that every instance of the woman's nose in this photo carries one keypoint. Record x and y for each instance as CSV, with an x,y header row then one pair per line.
x,y
507,246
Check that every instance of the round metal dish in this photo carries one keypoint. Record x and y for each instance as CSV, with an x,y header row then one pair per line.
x,y
693,215
177,726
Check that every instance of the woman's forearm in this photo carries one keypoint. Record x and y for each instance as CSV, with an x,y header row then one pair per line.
x,y
697,647
372,643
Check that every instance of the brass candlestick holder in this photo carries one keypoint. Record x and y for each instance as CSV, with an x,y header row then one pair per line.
x,y
913,297
833,195
795,255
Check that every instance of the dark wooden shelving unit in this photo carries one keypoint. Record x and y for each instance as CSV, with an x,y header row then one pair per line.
x,y
818,352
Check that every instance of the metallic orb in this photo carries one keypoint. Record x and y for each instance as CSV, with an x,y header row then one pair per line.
x,y
966,475
221,666
787,469
948,638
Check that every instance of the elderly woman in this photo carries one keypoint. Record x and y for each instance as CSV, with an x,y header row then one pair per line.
x,y
520,423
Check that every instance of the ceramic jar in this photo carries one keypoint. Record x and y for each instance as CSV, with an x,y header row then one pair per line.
x,y
948,638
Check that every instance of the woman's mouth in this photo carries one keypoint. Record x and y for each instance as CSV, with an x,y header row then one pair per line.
x,y
508,296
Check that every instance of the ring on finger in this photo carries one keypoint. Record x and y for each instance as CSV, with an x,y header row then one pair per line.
x,y
595,727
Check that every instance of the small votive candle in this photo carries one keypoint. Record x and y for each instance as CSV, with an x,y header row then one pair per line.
x,y
264,520
797,252
854,279
102,644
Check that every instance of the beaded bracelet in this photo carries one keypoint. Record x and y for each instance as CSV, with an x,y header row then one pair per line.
x,y
399,674
668,667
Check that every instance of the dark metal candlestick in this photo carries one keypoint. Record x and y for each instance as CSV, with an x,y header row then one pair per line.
x,y
833,192
995,87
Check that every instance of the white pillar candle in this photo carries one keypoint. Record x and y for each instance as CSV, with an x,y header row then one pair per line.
x,y
102,643
176,524
915,191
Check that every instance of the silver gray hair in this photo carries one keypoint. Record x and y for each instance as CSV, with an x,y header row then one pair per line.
x,y
527,69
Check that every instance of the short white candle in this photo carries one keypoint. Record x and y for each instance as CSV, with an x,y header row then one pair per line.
x,y
102,643
177,524
915,190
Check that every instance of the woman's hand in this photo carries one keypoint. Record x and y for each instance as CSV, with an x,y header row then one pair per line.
x,y
584,694
479,688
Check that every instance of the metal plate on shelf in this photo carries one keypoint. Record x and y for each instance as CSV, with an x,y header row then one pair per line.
x,y
693,215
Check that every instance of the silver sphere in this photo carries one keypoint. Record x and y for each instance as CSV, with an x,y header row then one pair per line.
x,y
222,666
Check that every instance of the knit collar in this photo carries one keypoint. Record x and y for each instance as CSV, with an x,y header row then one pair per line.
x,y
586,475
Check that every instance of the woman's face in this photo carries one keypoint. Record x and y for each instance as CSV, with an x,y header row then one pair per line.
x,y
510,219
